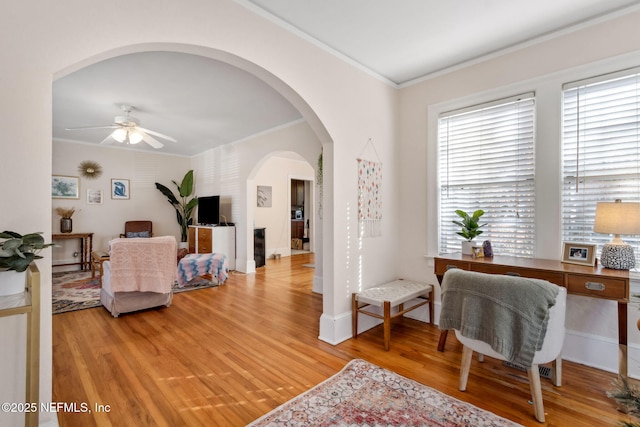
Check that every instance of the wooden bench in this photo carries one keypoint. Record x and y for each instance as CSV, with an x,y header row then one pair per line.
x,y
387,296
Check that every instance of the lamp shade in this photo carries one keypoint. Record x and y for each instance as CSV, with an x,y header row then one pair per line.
x,y
119,134
134,137
617,218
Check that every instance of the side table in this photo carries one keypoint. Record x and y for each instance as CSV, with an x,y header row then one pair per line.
x,y
86,247
97,259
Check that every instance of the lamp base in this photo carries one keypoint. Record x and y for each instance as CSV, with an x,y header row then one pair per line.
x,y
618,257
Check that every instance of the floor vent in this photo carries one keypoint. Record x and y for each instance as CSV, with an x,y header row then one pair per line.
x,y
545,371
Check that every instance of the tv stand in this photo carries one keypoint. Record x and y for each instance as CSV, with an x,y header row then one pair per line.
x,y
205,239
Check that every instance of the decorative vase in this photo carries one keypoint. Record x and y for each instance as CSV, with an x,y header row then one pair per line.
x,y
12,282
467,247
66,225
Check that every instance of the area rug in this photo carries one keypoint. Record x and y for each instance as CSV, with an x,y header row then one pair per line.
x,y
362,394
73,291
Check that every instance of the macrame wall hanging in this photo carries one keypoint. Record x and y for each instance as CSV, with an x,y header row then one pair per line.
x,y
369,194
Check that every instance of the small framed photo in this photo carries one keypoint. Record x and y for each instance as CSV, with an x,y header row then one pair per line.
x,y
65,187
120,189
94,197
477,251
579,253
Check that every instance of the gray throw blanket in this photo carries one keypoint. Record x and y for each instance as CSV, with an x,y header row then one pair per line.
x,y
508,313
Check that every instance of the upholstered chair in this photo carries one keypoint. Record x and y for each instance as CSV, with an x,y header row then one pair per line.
x,y
514,319
137,229
139,274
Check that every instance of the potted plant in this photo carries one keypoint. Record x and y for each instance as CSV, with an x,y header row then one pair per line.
x,y
16,253
66,223
470,229
183,205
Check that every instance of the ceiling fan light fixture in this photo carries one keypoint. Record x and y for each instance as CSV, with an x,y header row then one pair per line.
x,y
119,134
134,137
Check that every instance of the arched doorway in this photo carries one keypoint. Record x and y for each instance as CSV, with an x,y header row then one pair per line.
x,y
244,237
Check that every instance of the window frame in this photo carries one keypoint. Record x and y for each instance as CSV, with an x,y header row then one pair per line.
x,y
511,243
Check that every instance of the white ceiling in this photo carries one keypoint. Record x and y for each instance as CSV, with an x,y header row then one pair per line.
x,y
403,40
205,103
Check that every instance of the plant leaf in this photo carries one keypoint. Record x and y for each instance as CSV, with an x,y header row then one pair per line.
x,y
168,193
186,187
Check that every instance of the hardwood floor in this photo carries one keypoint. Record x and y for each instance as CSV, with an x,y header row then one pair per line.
x,y
224,356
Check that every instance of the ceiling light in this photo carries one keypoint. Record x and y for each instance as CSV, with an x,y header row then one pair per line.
x,y
119,134
134,137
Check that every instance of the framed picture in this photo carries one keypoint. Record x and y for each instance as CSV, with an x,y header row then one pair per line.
x,y
579,253
120,189
94,197
65,187
264,196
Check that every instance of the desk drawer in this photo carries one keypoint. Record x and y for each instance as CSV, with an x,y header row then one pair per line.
x,y
442,265
595,286
550,276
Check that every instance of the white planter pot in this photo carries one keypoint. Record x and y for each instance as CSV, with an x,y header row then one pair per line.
x,y
12,282
183,245
467,247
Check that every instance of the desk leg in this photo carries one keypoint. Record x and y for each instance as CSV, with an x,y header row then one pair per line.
x,y
622,339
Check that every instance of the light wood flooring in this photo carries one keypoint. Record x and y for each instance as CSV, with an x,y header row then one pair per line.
x,y
225,356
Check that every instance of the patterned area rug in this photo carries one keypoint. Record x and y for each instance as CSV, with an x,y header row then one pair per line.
x,y
363,394
77,290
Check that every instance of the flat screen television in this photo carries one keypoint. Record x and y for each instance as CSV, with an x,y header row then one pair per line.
x,y
209,210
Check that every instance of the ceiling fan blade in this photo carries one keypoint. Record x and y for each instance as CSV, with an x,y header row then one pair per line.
x,y
93,127
158,134
108,140
150,140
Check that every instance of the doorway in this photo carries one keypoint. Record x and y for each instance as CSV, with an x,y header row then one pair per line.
x,y
301,215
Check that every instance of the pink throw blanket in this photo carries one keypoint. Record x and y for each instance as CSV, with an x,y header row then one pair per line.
x,y
194,265
143,264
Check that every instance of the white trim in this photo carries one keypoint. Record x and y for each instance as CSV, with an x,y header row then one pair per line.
x,y
305,36
335,329
520,46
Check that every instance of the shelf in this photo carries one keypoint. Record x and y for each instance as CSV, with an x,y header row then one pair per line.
x,y
28,303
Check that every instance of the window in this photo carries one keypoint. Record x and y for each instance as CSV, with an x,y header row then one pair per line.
x,y
601,151
487,162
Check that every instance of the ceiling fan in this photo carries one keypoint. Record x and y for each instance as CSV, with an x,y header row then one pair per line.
x,y
128,131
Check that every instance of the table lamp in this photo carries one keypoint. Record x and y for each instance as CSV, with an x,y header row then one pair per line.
x,y
617,218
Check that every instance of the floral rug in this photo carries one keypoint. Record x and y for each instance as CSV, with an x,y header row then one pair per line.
x,y
363,394
76,290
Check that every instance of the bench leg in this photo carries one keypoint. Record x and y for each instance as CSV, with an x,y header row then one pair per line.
x,y
387,325
354,316
431,307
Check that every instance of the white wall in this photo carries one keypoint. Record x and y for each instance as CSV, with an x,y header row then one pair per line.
x,y
142,169
344,107
541,68
276,172
231,171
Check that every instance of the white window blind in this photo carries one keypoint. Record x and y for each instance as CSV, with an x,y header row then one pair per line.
x,y
487,162
601,152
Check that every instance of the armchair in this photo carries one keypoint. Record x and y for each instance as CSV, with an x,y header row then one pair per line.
x,y
139,274
137,229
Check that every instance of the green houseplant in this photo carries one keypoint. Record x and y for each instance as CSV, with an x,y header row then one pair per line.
x,y
18,251
470,228
183,205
